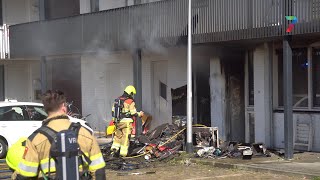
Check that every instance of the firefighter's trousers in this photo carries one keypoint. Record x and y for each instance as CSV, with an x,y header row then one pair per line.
x,y
121,139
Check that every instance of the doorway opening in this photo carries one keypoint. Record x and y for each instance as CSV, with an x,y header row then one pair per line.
x,y
235,98
64,74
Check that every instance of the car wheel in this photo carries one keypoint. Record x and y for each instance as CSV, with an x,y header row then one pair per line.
x,y
3,148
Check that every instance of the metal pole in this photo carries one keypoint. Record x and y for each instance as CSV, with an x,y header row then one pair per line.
x,y
189,147
287,98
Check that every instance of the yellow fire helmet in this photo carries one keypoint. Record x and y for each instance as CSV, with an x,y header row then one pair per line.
x,y
15,153
111,129
131,90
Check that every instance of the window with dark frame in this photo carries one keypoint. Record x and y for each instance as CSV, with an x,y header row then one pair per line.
x,y
251,128
36,113
250,78
299,77
13,113
316,76
163,90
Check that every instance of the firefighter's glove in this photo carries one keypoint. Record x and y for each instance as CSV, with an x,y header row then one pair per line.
x,y
141,113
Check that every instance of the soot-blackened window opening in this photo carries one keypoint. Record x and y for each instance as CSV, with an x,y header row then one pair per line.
x,y
163,90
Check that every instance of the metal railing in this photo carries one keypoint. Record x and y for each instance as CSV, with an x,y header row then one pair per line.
x,y
4,42
164,22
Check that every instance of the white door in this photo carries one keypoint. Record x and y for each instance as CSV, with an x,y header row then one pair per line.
x,y
113,86
160,93
17,82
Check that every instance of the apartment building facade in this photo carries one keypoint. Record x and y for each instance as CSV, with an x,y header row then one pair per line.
x,y
99,48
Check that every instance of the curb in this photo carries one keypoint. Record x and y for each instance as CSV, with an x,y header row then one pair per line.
x,y
254,168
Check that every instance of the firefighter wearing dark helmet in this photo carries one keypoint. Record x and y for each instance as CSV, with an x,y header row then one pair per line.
x,y
37,160
124,127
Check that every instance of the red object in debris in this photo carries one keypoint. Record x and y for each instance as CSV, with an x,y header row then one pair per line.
x,y
145,130
162,148
153,145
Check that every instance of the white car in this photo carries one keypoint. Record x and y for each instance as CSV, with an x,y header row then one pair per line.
x,y
20,119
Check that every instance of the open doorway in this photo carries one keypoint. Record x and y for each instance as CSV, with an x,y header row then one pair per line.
x,y
235,104
65,75
202,105
201,95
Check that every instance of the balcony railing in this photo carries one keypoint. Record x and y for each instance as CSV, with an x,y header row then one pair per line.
x,y
164,22
4,42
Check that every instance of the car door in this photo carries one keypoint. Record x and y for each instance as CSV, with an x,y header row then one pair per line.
x,y
14,123
3,123
36,115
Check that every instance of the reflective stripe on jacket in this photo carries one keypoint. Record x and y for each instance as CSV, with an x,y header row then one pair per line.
x,y
36,155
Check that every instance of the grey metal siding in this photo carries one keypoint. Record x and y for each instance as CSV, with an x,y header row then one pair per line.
x,y
163,22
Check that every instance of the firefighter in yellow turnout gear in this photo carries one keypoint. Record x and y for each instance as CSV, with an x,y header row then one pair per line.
x,y
124,127
35,161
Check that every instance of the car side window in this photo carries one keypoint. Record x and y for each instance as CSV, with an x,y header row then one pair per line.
x,y
13,113
36,113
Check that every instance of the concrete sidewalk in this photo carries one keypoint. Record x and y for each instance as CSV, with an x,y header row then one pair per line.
x,y
303,165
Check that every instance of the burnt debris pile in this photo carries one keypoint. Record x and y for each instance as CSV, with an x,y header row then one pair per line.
x,y
232,149
162,143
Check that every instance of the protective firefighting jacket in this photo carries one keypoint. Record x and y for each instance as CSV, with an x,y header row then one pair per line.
x,y
129,110
36,154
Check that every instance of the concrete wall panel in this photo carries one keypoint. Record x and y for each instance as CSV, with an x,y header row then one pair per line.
x,y
17,11
278,128
21,79
95,86
218,90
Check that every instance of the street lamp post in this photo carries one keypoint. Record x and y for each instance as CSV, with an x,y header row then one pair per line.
x,y
189,146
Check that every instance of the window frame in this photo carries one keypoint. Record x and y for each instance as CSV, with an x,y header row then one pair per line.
x,y
163,89
23,108
310,107
33,106
248,70
311,79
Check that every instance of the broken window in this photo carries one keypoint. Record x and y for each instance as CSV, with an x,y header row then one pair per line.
x,y
179,101
163,90
316,77
299,77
